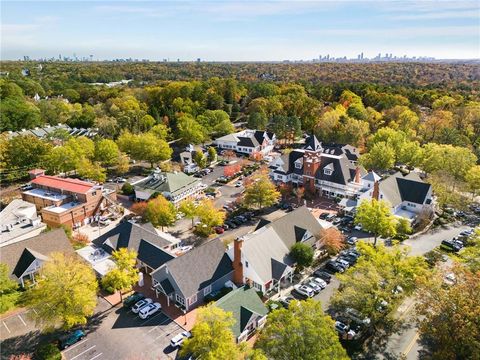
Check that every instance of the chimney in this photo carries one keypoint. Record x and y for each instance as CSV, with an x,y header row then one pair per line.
x,y
376,191
357,175
237,262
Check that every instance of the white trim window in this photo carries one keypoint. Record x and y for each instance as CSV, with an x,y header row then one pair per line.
x,y
257,286
207,290
192,300
298,165
327,171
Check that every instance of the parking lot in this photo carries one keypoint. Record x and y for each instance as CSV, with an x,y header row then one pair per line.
x,y
123,335
112,333
16,325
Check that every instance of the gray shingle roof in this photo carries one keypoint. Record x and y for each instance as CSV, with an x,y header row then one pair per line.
x,y
141,238
199,267
173,183
19,255
398,188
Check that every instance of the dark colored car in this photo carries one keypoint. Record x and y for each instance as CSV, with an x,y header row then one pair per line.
x,y
231,224
236,221
70,339
323,275
286,301
323,216
132,299
334,267
450,246
241,218
350,259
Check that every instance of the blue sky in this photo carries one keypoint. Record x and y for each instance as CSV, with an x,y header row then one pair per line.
x,y
239,30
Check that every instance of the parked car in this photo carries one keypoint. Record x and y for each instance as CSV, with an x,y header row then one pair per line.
x,y
238,184
322,283
323,275
343,262
132,299
304,290
357,316
149,310
225,227
286,301
341,327
219,229
104,222
352,240
467,232
178,340
231,225
349,259
26,187
236,221
71,338
241,218
334,267
140,304
323,216
314,286
449,246
358,227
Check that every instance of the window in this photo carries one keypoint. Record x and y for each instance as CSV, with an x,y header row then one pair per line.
x,y
179,299
207,290
257,286
246,263
192,300
298,165
327,171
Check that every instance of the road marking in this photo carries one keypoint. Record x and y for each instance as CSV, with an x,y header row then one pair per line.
x,y
151,318
21,320
6,327
74,346
96,356
90,348
163,322
411,344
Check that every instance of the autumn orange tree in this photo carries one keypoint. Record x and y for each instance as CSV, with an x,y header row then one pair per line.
x,y
333,240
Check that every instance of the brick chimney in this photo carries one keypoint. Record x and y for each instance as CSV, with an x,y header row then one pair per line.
x,y
357,175
376,191
34,173
311,164
237,262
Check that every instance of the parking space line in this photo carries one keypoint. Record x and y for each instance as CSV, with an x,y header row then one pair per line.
x,y
6,327
21,320
74,346
76,356
153,317
96,356
163,322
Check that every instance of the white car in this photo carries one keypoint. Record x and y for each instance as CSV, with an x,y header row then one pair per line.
x,y
304,290
352,240
343,262
149,309
178,340
358,227
140,304
322,283
238,184
314,286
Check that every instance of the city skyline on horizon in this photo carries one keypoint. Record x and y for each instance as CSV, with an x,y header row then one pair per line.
x,y
224,31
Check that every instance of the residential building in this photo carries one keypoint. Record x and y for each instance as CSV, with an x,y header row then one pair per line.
x,y
24,258
153,248
186,159
19,221
65,201
408,195
329,170
174,186
49,131
248,142
187,279
261,259
248,310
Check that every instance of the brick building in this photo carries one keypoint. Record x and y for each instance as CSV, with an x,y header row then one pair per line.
x,y
65,201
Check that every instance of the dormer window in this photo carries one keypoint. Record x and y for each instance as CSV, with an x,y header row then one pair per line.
x,y
327,171
298,165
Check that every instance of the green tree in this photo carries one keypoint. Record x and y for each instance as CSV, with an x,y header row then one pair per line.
x,y
261,192
472,178
403,227
381,156
302,254
8,290
91,170
189,209
200,159
17,114
257,120
209,216
190,131
107,152
303,331
145,146
212,154
66,292
470,256
24,152
212,336
378,283
160,212
376,217
161,131
449,316
61,159
124,276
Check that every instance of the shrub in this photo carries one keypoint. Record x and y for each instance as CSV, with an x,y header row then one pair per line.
x,y
48,352
127,189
